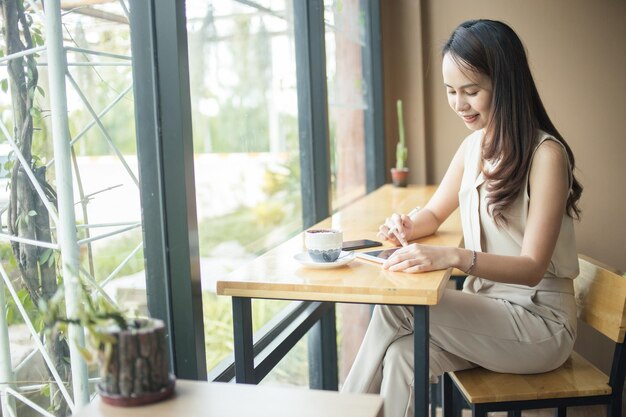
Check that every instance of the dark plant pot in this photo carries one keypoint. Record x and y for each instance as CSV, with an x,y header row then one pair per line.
x,y
399,177
134,368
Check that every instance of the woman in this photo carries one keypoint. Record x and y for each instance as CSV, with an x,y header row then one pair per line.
x,y
513,181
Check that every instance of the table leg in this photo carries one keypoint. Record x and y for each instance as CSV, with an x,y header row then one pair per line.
x,y
322,343
421,382
242,331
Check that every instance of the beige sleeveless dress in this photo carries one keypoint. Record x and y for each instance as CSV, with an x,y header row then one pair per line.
x,y
482,234
502,327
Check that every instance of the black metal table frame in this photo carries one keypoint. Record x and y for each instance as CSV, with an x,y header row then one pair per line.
x,y
245,356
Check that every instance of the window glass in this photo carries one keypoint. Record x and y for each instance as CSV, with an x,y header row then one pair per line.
x,y
100,114
345,33
346,39
245,129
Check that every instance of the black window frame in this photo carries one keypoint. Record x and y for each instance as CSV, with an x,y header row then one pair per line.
x,y
165,154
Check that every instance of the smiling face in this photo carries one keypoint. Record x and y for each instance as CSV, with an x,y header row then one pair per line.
x,y
469,93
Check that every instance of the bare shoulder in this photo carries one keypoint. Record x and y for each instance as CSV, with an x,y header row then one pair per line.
x,y
549,167
550,153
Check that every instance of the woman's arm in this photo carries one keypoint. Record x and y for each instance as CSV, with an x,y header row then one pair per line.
x,y
549,187
443,202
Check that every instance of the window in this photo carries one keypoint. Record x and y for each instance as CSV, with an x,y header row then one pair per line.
x,y
252,113
103,183
245,130
346,38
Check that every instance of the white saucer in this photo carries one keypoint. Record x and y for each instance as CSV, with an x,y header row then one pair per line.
x,y
344,258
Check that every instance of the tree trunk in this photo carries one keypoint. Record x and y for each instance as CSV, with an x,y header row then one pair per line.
x,y
23,84
27,215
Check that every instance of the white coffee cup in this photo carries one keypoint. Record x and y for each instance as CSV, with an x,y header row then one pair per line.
x,y
323,245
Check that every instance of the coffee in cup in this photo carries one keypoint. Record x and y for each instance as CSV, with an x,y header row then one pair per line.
x,y
323,245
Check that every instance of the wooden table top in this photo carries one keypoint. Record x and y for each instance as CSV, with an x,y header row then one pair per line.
x,y
204,399
277,275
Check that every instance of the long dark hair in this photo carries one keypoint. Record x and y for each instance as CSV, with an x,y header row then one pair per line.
x,y
492,48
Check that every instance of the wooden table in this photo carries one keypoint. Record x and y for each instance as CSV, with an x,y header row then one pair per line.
x,y
204,399
277,275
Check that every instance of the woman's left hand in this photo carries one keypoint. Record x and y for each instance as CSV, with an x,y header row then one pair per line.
x,y
415,258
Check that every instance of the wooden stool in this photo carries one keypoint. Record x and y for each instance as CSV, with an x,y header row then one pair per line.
x,y
601,302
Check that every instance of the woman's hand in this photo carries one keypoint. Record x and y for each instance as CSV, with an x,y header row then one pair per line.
x,y
421,258
403,227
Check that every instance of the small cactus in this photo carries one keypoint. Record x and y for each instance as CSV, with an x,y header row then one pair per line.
x,y
402,152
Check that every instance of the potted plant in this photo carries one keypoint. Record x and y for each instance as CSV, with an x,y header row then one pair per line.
x,y
400,173
131,353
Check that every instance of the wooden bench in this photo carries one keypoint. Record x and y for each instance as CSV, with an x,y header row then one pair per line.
x,y
601,302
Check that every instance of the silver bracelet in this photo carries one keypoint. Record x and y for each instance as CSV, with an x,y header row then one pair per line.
x,y
469,270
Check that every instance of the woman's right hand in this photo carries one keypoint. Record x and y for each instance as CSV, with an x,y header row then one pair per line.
x,y
397,229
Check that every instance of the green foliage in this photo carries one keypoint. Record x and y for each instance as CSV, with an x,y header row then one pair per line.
x,y
238,226
38,39
5,169
24,218
93,312
6,257
239,129
252,227
218,330
45,390
243,226
13,315
47,256
218,336
95,315
9,264
108,255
